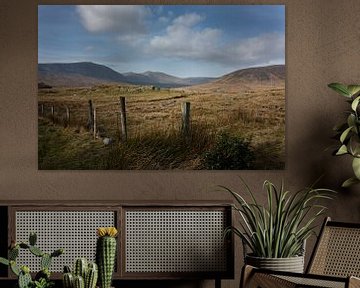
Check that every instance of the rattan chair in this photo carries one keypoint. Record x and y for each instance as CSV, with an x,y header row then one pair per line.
x,y
334,263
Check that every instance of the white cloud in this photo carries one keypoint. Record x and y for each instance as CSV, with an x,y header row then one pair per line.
x,y
260,50
188,20
183,39
121,19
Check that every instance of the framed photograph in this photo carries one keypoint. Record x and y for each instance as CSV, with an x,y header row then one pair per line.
x,y
161,87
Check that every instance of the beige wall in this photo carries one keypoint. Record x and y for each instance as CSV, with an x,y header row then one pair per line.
x,y
322,46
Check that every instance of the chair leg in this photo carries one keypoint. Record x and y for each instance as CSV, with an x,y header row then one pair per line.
x,y
217,283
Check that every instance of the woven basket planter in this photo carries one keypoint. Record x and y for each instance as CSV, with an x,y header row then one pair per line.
x,y
291,264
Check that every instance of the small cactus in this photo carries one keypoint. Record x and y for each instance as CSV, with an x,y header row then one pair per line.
x,y
106,254
13,253
57,252
14,268
45,261
36,251
91,276
24,278
32,239
89,272
68,280
79,282
44,273
67,269
80,268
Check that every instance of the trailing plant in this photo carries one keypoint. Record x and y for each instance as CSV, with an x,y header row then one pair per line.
x,y
42,278
106,254
84,275
349,132
279,229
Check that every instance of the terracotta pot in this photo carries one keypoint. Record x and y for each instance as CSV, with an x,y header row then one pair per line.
x,y
291,264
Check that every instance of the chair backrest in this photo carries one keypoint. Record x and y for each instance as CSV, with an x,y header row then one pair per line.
x,y
337,251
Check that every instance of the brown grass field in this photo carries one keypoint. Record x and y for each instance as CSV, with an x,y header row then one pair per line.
x,y
255,115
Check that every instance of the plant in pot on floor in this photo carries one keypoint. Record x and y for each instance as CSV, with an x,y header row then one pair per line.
x,y
276,233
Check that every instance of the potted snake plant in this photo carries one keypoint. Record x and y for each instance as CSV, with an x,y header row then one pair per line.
x,y
274,234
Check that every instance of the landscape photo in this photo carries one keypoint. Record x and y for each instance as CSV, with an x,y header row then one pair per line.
x,y
161,87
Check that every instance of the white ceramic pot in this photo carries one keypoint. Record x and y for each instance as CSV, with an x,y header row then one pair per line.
x,y
291,264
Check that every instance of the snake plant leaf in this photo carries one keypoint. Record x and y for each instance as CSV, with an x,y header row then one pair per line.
x,y
345,134
355,103
356,167
353,89
349,182
342,150
340,88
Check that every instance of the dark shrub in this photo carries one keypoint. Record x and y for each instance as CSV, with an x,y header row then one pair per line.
x,y
229,153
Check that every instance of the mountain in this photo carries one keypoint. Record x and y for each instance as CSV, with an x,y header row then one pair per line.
x,y
77,74
89,74
274,74
249,78
164,80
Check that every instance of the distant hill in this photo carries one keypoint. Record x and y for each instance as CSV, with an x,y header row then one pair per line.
x,y
82,72
164,80
248,78
260,75
89,74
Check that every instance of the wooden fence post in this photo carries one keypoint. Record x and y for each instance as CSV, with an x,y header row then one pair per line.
x,y
42,110
123,126
67,116
185,111
95,128
91,117
53,113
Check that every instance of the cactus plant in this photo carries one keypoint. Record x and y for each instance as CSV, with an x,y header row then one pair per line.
x,y
42,278
68,280
79,282
24,277
106,254
84,274
91,276
80,268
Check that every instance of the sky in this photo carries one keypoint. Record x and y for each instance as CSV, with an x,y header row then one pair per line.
x,y
181,40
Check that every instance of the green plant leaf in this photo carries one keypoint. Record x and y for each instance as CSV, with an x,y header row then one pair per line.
x,y
356,167
354,145
355,103
349,182
353,89
342,150
345,134
340,88
351,120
